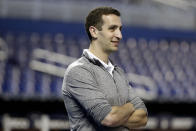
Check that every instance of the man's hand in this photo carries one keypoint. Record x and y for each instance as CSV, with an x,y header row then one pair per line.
x,y
118,115
137,119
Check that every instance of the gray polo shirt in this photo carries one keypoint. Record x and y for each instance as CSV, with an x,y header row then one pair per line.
x,y
89,92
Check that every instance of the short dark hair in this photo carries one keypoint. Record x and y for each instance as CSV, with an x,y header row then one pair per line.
x,y
94,18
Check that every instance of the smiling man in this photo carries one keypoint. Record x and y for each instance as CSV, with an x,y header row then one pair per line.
x,y
96,93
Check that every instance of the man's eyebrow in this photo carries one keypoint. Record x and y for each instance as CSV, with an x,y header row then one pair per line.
x,y
114,26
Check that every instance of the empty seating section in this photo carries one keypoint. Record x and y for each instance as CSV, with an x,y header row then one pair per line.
x,y
171,64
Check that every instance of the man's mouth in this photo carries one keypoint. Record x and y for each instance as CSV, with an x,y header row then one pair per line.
x,y
115,43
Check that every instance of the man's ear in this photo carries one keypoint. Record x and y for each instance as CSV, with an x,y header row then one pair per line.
x,y
93,30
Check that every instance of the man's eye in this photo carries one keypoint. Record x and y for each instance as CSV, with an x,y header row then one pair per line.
x,y
112,29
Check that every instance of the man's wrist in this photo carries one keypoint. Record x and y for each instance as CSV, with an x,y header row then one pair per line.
x,y
131,107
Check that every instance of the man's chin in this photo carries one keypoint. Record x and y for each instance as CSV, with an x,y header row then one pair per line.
x,y
114,49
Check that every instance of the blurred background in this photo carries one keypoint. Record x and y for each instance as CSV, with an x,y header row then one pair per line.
x,y
40,38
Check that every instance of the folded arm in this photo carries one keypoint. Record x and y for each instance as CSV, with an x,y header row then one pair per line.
x,y
83,90
140,116
118,115
125,115
137,119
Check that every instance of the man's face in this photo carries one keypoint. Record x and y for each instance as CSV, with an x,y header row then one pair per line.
x,y
110,35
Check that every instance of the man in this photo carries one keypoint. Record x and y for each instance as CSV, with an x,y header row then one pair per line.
x,y
96,94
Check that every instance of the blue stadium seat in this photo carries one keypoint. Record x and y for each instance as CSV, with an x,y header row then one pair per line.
x,y
170,64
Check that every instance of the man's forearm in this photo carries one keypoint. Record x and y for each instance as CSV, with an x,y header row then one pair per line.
x,y
137,119
119,115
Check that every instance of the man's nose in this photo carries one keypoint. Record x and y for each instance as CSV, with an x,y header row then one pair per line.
x,y
118,34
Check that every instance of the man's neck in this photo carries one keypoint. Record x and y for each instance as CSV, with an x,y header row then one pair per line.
x,y
98,52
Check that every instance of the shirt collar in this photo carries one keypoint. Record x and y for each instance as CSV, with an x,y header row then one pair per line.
x,y
109,67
